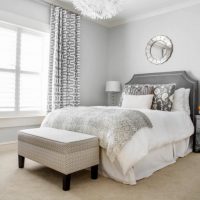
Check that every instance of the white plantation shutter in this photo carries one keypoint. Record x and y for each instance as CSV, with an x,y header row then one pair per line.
x,y
7,91
32,52
8,43
32,49
23,69
30,92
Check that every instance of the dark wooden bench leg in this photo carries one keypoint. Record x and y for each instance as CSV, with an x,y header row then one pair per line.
x,y
66,182
94,172
21,161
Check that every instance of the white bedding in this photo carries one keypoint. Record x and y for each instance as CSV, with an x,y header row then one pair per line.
x,y
168,128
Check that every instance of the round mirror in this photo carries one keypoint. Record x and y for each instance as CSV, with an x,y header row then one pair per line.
x,y
159,49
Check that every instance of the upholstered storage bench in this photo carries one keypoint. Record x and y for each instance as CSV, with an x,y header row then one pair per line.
x,y
61,150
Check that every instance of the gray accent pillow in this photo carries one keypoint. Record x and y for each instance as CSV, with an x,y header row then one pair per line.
x,y
163,97
136,89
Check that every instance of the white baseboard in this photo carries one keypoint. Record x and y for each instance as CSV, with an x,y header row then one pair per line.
x,y
11,145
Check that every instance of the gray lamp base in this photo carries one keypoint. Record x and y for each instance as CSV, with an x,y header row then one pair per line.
x,y
112,100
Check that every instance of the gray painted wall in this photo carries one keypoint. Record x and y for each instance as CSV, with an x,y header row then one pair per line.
x,y
127,44
94,40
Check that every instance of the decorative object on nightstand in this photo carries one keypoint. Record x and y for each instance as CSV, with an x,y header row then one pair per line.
x,y
197,135
199,110
112,87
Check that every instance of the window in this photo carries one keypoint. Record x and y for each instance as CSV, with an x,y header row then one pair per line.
x,y
23,69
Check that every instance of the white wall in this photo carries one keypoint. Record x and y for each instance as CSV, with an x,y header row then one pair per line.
x,y
10,134
127,44
93,50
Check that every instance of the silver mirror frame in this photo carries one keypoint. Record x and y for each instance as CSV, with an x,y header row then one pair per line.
x,y
168,54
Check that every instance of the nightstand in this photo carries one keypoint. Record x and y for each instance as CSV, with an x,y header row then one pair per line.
x,y
197,135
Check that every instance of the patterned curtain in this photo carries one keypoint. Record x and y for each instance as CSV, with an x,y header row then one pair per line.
x,y
64,69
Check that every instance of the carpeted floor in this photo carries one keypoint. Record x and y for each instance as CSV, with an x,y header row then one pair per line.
x,y
180,181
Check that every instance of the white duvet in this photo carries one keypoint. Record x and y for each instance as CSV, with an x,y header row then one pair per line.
x,y
168,127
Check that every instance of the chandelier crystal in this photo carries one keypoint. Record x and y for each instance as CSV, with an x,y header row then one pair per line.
x,y
98,9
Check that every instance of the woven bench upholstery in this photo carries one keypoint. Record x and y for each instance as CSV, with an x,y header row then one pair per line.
x,y
62,150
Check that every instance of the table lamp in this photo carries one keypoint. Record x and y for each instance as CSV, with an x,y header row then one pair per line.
x,y
112,87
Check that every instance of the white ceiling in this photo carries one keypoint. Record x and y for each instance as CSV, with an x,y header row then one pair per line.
x,y
139,9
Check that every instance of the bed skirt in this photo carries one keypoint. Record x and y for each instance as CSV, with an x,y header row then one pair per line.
x,y
154,161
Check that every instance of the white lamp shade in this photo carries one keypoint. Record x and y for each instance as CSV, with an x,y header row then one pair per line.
x,y
113,86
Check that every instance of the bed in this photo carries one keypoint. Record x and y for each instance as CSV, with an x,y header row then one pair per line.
x,y
150,149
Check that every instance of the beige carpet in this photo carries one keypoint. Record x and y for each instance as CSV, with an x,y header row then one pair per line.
x,y
180,181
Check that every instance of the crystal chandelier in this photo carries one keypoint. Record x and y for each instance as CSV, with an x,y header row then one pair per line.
x,y
98,9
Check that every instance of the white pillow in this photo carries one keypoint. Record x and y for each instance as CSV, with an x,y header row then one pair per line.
x,y
181,100
187,103
178,103
137,101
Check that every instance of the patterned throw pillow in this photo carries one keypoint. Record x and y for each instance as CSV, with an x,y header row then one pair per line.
x,y
136,89
163,97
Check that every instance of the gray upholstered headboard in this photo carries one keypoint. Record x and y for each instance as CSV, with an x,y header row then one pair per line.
x,y
182,80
